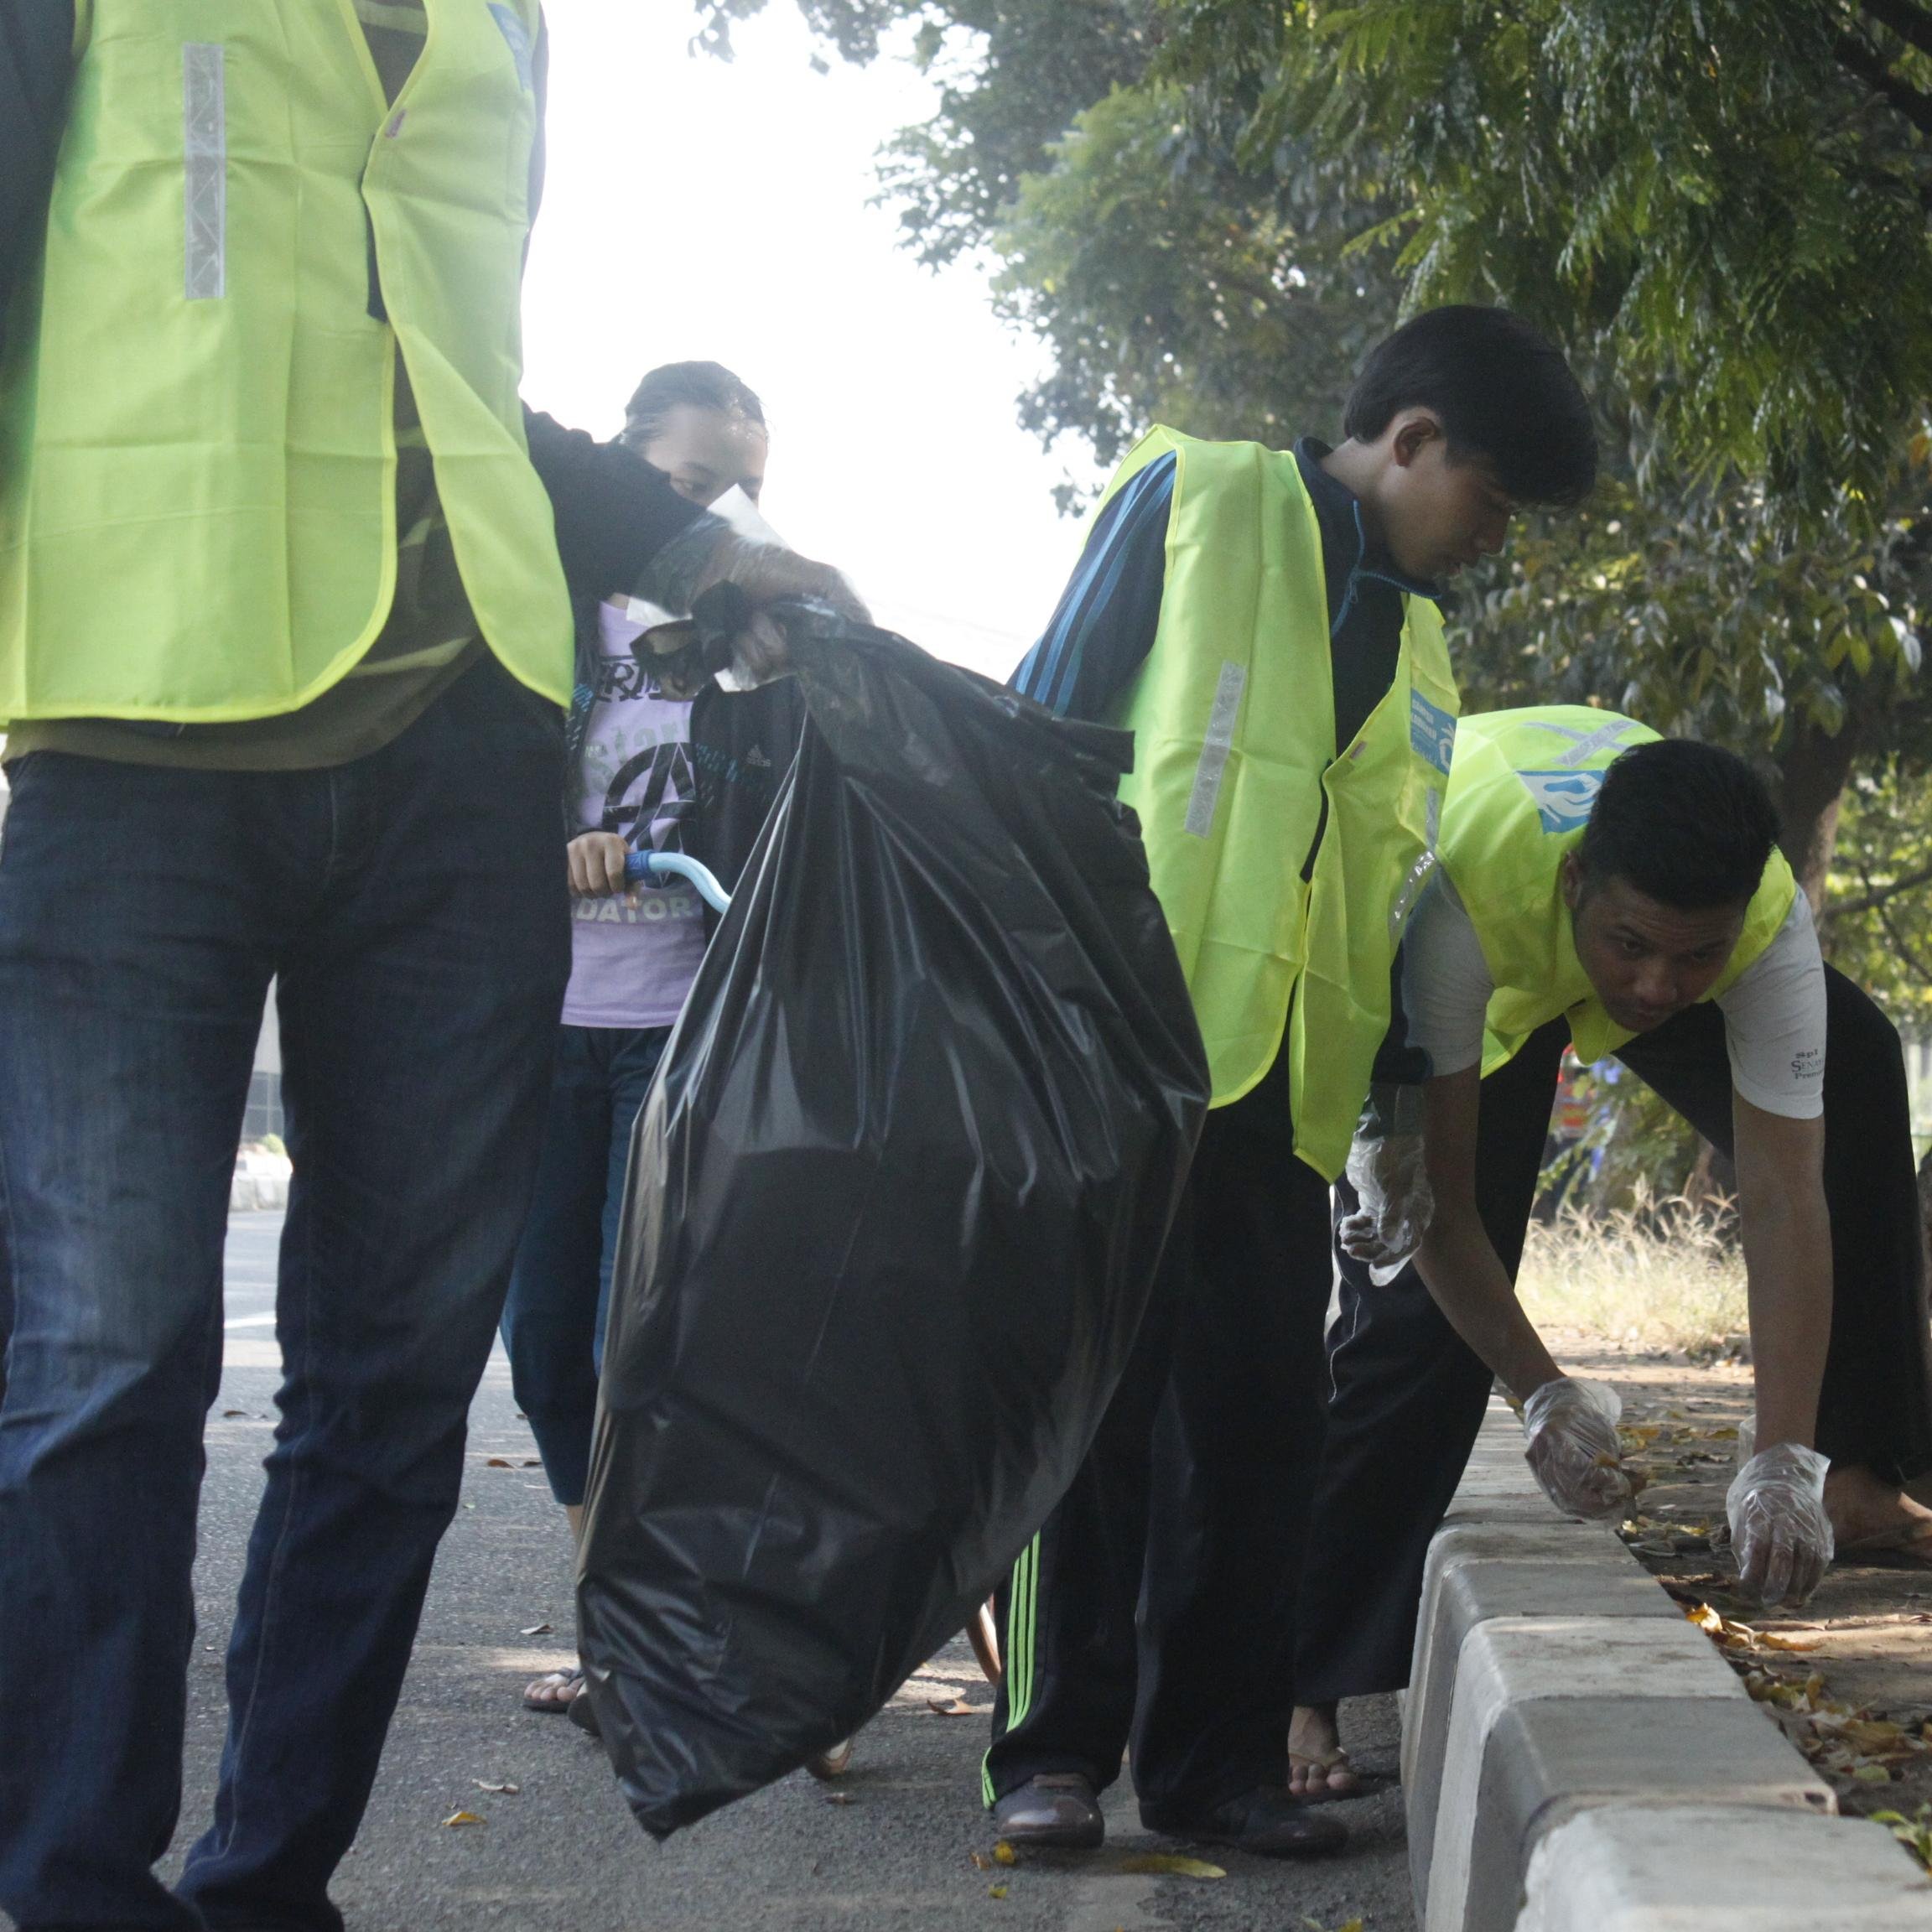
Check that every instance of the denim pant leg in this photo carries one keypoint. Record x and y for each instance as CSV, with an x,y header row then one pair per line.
x,y
633,1066
560,1288
137,912
550,1318
418,1020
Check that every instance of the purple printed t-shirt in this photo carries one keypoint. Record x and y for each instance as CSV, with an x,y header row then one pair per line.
x,y
632,966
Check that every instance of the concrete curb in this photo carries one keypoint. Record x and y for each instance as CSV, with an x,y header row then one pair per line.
x,y
1577,1758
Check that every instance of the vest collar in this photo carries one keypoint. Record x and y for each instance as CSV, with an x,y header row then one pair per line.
x,y
1345,541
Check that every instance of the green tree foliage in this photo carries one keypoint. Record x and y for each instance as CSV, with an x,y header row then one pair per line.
x,y
1874,924
1209,208
1171,292
1721,203
1702,612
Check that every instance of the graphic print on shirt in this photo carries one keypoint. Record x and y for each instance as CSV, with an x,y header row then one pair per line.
x,y
634,954
650,796
641,760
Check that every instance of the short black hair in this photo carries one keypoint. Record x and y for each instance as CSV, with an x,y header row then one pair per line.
x,y
1689,825
686,385
1502,391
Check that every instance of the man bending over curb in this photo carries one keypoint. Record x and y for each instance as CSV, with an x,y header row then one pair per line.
x,y
1605,885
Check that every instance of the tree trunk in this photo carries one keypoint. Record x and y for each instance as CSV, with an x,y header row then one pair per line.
x,y
1925,1202
1812,769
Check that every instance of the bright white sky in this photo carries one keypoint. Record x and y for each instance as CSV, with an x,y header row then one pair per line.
x,y
694,208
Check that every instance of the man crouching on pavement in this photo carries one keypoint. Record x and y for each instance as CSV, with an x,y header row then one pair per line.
x,y
1602,885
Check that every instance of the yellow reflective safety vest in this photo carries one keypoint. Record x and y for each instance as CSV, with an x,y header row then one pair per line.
x,y
1233,721
1520,790
197,441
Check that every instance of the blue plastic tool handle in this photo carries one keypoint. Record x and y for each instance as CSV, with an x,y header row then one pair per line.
x,y
659,868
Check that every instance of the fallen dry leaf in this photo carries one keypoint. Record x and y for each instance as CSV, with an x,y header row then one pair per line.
x,y
462,1818
499,1462
233,1412
981,1862
1004,1854
501,1790
995,1891
1171,1864
537,1630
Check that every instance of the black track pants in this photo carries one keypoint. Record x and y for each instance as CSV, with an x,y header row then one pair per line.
x,y
1409,1395
1192,1504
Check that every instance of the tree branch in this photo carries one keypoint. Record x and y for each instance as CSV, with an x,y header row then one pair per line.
x,y
1897,938
1859,59
1872,900
1911,24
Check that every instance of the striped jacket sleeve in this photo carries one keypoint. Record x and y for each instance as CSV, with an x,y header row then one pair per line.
x,y
1105,621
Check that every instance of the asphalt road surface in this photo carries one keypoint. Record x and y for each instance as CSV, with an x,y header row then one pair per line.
x,y
892,1845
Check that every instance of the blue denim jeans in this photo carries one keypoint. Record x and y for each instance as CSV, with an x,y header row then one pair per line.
x,y
560,1288
412,905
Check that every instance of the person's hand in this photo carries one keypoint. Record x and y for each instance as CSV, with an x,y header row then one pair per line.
x,y
768,573
1392,1186
597,866
1779,1532
1570,1423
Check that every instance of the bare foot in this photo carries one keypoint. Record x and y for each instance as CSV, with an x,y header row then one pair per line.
x,y
1318,1767
554,1692
1870,1516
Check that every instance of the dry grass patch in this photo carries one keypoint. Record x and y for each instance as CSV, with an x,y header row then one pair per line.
x,y
1669,1276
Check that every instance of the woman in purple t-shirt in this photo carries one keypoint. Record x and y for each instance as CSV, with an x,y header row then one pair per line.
x,y
635,952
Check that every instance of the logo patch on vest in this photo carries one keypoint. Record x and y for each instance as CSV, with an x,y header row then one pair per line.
x,y
1563,798
1432,731
514,31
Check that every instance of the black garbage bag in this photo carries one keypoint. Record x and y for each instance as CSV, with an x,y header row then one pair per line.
x,y
893,1211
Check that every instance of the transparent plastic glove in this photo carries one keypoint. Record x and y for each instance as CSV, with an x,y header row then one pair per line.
x,y
1572,1448
1392,1187
769,573
1386,1170
1779,1532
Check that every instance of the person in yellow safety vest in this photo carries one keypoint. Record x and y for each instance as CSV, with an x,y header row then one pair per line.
x,y
1604,886
285,641
1265,622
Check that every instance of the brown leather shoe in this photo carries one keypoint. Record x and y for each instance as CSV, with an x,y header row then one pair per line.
x,y
1267,1822
1057,1808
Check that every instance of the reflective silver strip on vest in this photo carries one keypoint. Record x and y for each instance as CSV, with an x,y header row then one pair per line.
x,y
204,132
1414,882
1220,740
1584,746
